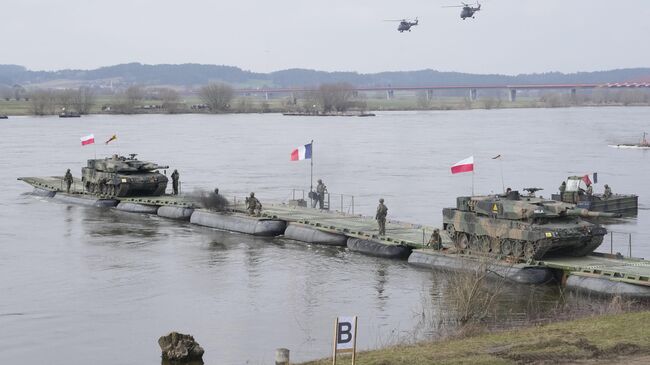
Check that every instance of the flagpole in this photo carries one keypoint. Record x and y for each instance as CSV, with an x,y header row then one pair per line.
x,y
472,182
503,184
311,161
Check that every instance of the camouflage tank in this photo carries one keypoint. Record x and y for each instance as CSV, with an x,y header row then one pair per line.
x,y
123,176
526,227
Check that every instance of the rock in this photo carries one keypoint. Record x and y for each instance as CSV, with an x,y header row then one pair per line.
x,y
179,347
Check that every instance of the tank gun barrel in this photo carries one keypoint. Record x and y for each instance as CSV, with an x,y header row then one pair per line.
x,y
588,213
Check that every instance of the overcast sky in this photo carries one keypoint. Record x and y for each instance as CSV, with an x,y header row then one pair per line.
x,y
507,36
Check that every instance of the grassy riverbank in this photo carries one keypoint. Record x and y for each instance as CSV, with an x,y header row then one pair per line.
x,y
608,339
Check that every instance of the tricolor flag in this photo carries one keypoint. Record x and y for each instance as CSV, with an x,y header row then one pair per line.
x,y
113,138
89,139
466,165
301,153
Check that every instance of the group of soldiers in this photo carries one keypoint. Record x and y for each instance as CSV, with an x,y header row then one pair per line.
x,y
589,192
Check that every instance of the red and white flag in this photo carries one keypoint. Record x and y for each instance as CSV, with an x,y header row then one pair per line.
x,y
89,139
466,165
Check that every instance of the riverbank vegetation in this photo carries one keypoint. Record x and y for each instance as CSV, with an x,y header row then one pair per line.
x,y
607,339
335,98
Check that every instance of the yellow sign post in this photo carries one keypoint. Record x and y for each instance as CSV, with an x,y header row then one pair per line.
x,y
345,337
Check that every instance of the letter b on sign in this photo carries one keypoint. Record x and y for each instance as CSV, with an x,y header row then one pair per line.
x,y
346,333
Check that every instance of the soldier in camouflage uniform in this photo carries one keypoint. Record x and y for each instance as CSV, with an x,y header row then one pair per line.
x,y
175,177
68,180
608,192
435,241
590,191
382,212
321,189
253,205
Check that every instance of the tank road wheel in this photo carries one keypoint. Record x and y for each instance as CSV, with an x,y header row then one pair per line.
x,y
495,245
529,250
451,232
506,247
462,242
518,249
484,244
474,243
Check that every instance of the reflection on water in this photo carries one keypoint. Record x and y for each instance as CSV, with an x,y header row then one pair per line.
x,y
100,279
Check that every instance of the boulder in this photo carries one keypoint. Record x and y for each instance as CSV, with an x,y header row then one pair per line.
x,y
179,347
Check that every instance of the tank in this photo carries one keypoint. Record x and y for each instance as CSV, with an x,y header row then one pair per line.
x,y
524,227
123,176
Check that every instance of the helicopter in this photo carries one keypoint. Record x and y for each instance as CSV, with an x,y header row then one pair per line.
x,y
404,24
468,10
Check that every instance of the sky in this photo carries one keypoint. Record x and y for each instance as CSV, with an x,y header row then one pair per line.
x,y
506,37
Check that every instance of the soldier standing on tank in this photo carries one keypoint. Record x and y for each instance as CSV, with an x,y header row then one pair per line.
x,y
562,189
608,192
321,189
254,207
68,180
382,212
589,191
175,177
435,241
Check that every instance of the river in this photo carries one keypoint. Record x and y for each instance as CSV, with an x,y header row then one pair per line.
x,y
84,285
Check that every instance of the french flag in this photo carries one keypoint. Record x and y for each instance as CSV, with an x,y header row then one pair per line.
x,y
86,140
301,153
466,165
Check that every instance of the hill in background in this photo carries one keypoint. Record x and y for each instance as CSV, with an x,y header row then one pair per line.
x,y
191,75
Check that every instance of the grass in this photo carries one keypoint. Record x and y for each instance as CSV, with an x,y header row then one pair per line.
x,y
602,337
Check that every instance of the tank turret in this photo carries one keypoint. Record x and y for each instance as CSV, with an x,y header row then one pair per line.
x,y
526,227
123,176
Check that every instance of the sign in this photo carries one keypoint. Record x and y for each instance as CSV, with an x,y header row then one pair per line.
x,y
345,337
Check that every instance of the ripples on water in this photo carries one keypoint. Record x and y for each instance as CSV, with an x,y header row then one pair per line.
x,y
80,284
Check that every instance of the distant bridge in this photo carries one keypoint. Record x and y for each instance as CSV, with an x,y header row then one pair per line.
x,y
389,90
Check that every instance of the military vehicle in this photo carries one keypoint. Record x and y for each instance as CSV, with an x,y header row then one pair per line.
x,y
575,193
123,176
524,227
642,145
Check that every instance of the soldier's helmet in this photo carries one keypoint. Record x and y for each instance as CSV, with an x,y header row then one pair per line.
x,y
436,230
320,181
252,194
68,170
381,200
606,185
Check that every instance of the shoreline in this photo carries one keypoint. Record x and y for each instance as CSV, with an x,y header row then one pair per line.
x,y
600,339
11,109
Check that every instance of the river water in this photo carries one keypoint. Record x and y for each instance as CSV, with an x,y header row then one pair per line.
x,y
83,285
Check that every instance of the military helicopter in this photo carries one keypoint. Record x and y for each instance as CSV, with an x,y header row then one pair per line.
x,y
468,10
404,24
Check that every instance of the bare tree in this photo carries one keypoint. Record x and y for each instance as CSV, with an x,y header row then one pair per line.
x,y
170,99
42,102
19,92
6,92
64,98
83,100
217,96
423,101
335,97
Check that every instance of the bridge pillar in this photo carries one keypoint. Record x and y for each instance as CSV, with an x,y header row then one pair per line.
x,y
355,93
390,94
473,94
266,95
513,94
429,94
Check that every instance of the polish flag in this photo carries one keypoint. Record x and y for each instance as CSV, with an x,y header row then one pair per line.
x,y
466,165
89,139
301,153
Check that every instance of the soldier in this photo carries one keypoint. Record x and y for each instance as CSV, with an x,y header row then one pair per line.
x,y
321,189
382,212
175,176
68,180
590,191
253,205
608,192
562,188
435,241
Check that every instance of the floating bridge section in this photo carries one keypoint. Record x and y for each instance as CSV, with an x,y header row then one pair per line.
x,y
601,273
